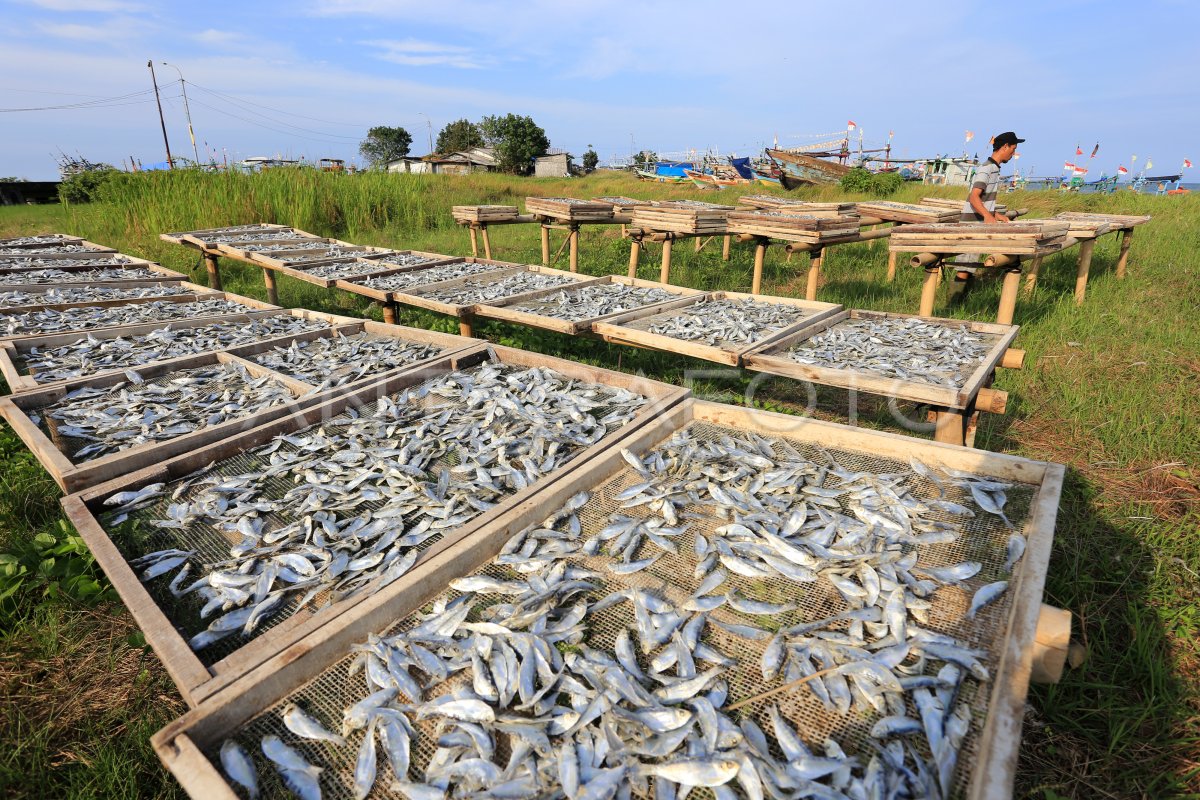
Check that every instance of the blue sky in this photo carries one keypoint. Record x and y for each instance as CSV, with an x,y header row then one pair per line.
x,y
309,77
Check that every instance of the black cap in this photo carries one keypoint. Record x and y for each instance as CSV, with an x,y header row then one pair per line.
x,y
1008,137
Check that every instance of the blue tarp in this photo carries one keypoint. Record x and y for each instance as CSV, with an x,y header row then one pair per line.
x,y
674,168
742,165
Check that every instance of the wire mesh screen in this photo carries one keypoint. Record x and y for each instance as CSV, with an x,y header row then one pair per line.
x,y
578,304
90,317
246,476
343,359
671,578
727,324
92,423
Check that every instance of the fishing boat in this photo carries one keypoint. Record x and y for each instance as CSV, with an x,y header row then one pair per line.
x,y
666,172
797,169
737,172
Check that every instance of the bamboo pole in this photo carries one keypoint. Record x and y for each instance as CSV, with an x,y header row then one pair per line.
x,y
814,273
573,236
474,242
389,312
464,326
1002,261
891,273
1013,358
950,427
269,282
993,401
214,271
725,247
664,273
924,259
1123,257
545,245
697,244
929,290
1008,296
760,252
487,243
1085,264
1031,276
635,251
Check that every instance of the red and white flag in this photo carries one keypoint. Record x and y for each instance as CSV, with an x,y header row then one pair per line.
x,y
1080,171
1122,171
1187,162
851,125
970,135
1068,165
1078,150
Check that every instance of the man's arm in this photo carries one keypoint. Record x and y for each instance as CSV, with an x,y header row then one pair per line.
x,y
975,199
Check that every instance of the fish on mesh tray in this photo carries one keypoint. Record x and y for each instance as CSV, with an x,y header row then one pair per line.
x,y
404,260
232,238
59,263
481,290
717,322
58,248
594,682
350,267
44,276
907,349
344,359
323,255
420,277
83,294
88,354
337,506
27,240
115,418
49,320
595,300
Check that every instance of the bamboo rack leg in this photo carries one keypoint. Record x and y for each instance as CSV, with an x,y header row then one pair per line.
x,y
623,231
389,312
891,275
664,274
1123,258
1085,263
760,252
1032,275
214,271
635,251
929,290
725,248
487,243
814,273
574,236
1008,296
545,246
950,426
871,243
464,326
698,244
474,243
269,282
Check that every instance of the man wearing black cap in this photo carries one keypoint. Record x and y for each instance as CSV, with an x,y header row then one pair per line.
x,y
980,205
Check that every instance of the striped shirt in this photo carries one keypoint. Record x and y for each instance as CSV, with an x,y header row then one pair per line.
x,y
987,178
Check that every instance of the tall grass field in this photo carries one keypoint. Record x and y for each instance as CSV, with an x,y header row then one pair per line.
x,y
1111,389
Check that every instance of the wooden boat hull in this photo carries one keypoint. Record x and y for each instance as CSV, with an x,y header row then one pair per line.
x,y
652,176
806,169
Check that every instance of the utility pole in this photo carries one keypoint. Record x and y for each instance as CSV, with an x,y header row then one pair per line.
x,y
161,121
187,112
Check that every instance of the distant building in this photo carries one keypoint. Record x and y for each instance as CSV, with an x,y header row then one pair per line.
x,y
950,171
551,166
414,164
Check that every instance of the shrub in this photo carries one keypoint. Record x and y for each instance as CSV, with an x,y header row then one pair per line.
x,y
85,186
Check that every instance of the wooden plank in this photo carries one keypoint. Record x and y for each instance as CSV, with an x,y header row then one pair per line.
x,y
204,728
158,274
196,681
771,358
357,286
416,296
177,237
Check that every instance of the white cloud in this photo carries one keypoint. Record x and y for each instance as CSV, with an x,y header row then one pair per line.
x,y
417,53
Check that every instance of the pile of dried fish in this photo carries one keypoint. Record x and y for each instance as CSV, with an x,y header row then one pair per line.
x,y
28,240
343,268
329,252
520,658
113,418
43,276
56,248
330,362
719,322
266,236
404,260
420,277
61,263
49,320
335,507
232,229
88,355
271,248
595,300
481,290
908,349
84,294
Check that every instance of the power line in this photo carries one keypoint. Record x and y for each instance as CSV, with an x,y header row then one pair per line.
x,y
267,127
251,109
250,104
103,102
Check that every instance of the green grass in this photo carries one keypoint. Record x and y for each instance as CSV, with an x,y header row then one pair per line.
x,y
1111,389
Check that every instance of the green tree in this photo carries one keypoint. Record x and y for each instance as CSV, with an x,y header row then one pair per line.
x,y
645,159
590,159
459,135
517,141
384,144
